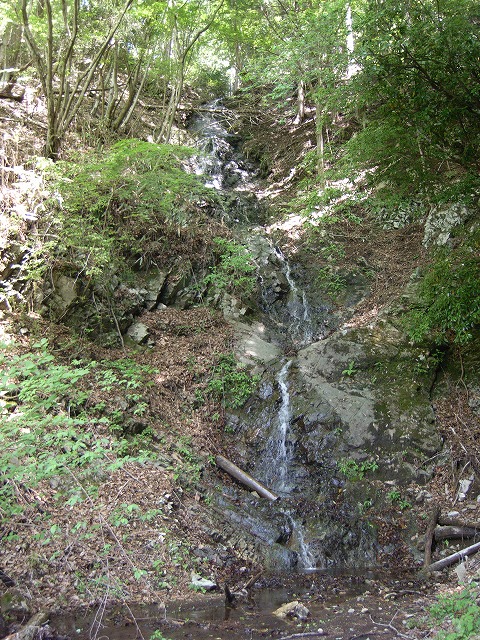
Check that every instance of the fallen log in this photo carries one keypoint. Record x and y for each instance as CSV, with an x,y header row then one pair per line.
x,y
12,91
451,533
460,555
432,523
251,581
245,478
457,522
29,631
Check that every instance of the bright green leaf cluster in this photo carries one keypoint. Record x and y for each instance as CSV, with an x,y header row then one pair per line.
x,y
235,271
449,296
231,382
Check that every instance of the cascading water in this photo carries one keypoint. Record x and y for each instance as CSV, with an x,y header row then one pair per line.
x,y
225,170
301,330
278,450
304,526
277,461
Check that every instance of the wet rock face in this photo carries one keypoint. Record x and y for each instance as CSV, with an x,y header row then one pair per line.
x,y
374,390
358,395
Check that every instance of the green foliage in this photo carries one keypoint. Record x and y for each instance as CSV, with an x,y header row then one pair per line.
x,y
231,382
395,497
158,635
332,281
354,470
235,272
461,611
48,428
450,296
134,183
48,434
418,89
112,208
190,469
124,372
351,370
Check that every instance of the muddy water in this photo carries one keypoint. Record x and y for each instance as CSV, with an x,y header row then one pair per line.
x,y
343,606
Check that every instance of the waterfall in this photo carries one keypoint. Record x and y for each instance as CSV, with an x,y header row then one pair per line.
x,y
217,161
299,309
307,560
277,459
226,171
278,453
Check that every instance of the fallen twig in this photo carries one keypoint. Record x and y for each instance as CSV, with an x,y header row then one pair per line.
x,y
308,634
391,627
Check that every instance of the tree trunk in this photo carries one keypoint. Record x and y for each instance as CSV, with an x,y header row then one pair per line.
x,y
455,557
10,48
300,103
245,478
113,93
53,67
320,143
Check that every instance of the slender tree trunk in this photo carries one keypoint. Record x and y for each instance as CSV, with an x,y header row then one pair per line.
x,y
169,116
320,142
113,92
63,107
10,50
300,102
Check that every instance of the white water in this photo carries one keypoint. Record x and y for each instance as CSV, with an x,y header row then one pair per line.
x,y
306,558
277,449
301,329
216,164
216,161
279,457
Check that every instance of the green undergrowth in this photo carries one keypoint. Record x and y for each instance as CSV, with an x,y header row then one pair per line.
x,y
115,211
460,612
353,470
449,296
231,383
234,272
52,428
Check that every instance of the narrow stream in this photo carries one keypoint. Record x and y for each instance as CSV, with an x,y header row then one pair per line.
x,y
278,450
219,162
301,329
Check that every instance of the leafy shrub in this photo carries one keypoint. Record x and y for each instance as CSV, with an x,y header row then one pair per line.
x,y
450,296
461,610
231,382
235,272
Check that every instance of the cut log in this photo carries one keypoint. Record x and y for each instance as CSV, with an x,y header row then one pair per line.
x,y
12,91
29,631
458,522
455,557
245,478
451,533
432,523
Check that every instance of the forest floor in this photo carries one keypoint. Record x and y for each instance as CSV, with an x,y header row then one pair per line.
x,y
138,539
